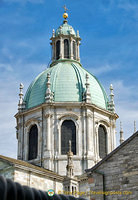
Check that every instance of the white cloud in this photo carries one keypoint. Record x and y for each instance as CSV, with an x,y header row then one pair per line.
x,y
8,107
126,101
129,6
123,90
100,70
9,89
6,67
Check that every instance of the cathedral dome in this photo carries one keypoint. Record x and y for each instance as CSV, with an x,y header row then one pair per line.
x,y
68,84
65,29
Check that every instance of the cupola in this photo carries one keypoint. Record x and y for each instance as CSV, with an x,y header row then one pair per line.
x,y
65,42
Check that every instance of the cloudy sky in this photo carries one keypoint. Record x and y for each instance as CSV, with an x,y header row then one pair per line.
x,y
109,50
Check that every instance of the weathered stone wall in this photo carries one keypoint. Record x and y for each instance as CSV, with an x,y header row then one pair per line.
x,y
120,174
6,170
31,177
49,120
35,180
84,189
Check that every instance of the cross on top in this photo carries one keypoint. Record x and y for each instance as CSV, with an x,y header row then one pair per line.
x,y
65,8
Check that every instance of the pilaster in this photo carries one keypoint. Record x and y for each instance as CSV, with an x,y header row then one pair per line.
x,y
78,51
71,48
61,48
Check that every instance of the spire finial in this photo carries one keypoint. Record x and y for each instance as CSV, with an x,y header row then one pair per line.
x,y
21,93
49,94
121,134
111,105
65,15
134,126
87,93
53,35
78,35
21,104
65,8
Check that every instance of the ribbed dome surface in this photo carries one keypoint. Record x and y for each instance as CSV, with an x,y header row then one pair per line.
x,y
68,84
65,29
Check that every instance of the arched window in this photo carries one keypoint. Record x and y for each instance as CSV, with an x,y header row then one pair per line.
x,y
66,48
57,49
74,50
102,135
33,143
68,132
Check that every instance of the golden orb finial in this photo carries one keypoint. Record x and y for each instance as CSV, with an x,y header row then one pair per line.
x,y
65,15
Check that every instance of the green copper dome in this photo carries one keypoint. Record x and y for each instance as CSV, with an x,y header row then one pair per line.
x,y
67,79
65,29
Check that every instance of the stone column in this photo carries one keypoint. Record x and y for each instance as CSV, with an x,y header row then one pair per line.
x,y
84,132
53,51
44,140
61,48
47,153
90,155
84,138
48,132
26,143
19,134
87,133
96,142
78,51
71,48
22,135
19,146
114,135
39,156
107,139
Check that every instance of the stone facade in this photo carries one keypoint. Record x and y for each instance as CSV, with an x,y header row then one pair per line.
x,y
42,179
30,175
49,117
117,173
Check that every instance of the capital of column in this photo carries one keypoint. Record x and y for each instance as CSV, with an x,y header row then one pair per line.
x,y
48,115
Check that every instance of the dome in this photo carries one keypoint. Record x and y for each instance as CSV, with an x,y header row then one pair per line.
x,y
67,78
65,29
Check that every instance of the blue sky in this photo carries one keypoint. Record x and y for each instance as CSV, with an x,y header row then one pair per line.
x,y
109,50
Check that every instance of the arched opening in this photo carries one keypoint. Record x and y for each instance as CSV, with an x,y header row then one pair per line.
x,y
33,143
102,135
74,50
57,49
68,132
66,48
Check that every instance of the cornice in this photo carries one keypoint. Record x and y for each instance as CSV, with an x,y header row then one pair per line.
x,y
66,104
46,174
